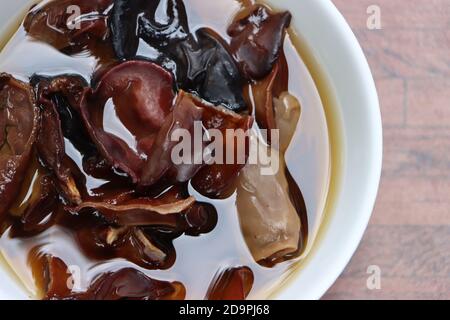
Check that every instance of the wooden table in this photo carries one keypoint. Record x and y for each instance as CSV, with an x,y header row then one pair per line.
x,y
409,234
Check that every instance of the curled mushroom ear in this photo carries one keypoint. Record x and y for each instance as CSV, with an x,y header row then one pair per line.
x,y
60,96
131,284
160,35
53,279
69,25
188,114
125,112
264,92
19,126
164,211
257,39
201,218
63,93
51,148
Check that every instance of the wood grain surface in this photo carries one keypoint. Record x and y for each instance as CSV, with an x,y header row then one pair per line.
x,y
409,235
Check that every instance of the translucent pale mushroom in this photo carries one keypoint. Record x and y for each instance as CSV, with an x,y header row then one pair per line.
x,y
269,221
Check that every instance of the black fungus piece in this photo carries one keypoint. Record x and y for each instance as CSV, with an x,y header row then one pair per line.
x,y
206,68
160,35
72,127
123,24
200,61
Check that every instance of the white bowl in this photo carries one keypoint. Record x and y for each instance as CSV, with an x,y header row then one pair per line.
x,y
337,52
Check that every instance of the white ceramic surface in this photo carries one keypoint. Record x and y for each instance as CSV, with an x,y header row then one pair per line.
x,y
337,51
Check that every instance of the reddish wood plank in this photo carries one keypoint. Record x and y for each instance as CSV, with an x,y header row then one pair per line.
x,y
417,152
409,234
411,213
407,53
392,100
410,14
414,263
429,101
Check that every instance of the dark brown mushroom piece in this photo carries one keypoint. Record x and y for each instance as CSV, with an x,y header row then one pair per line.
x,y
217,180
160,165
60,97
53,279
131,20
130,210
231,284
50,275
40,210
135,244
125,112
51,149
71,155
140,212
188,114
262,94
199,219
19,126
257,39
69,25
65,93
145,238
131,284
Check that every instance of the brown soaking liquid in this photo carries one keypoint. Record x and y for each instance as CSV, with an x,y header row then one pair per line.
x,y
198,259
